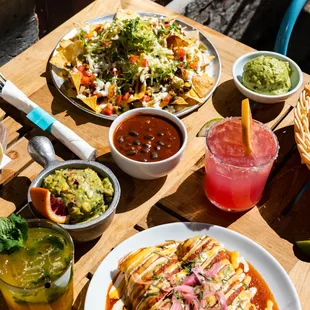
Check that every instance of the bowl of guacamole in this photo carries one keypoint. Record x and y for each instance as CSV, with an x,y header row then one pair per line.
x,y
266,77
84,194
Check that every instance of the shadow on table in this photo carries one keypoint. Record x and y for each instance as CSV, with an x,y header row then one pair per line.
x,y
16,186
227,102
134,192
82,248
287,215
189,203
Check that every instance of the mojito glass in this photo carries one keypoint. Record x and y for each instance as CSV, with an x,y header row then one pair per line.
x,y
40,275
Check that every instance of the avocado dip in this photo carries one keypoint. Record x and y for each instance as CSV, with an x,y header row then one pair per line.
x,y
267,75
85,195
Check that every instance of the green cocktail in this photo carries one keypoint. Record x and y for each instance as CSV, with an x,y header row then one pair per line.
x,y
39,276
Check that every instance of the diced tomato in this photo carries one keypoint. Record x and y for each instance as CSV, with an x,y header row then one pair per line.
x,y
193,65
86,80
144,62
81,69
167,98
166,26
181,52
133,59
146,98
126,96
106,43
118,99
108,110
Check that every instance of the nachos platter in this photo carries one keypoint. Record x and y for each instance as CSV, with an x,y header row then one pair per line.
x,y
119,62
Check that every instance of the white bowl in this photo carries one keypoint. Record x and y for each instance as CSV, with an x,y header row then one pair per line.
x,y
147,170
237,70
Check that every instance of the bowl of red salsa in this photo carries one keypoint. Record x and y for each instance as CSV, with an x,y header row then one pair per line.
x,y
147,143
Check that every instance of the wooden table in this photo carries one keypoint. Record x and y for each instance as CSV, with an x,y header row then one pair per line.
x,y
275,223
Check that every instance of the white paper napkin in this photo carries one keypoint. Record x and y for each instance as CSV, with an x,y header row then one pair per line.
x,y
69,138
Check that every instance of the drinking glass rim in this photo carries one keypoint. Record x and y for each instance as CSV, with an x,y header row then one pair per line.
x,y
67,235
249,168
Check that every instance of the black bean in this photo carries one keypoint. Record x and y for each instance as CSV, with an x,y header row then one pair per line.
x,y
145,150
132,153
160,134
133,133
47,285
149,137
157,147
154,155
121,139
136,142
161,143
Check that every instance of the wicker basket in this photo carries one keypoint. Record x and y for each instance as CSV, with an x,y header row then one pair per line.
x,y
301,125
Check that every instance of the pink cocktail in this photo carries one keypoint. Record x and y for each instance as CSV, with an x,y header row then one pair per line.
x,y
233,180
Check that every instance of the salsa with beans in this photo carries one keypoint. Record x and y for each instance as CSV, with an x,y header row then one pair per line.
x,y
147,138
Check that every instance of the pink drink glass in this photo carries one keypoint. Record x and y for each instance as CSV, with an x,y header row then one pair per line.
x,y
234,181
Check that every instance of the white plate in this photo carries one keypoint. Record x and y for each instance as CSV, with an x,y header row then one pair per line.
x,y
213,69
272,272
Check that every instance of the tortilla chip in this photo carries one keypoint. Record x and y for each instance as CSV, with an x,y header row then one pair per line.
x,y
139,93
193,34
59,60
180,101
76,80
175,41
92,103
67,54
123,14
206,61
202,84
192,95
64,44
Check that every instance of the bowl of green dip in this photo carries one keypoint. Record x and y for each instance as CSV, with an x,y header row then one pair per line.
x,y
89,190
266,77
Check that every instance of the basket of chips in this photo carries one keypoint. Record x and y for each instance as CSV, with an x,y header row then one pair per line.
x,y
301,125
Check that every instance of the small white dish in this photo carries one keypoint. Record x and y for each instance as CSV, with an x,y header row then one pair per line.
x,y
237,70
147,170
275,276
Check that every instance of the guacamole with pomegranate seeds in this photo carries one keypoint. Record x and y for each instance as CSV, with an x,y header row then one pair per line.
x,y
82,191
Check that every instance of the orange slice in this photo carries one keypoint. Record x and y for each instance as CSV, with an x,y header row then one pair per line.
x,y
246,118
48,206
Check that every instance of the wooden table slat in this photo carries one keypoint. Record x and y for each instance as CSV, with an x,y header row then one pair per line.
x,y
180,195
12,127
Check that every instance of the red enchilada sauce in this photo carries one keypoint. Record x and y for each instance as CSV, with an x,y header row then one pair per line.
x,y
147,138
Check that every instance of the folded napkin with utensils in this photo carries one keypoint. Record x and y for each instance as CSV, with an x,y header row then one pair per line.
x,y
10,93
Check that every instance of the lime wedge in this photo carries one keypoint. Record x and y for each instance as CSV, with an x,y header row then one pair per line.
x,y
304,246
204,129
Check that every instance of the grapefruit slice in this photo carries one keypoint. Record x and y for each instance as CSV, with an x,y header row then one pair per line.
x,y
246,118
48,206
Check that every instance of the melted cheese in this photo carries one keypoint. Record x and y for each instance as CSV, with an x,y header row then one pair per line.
x,y
235,259
269,305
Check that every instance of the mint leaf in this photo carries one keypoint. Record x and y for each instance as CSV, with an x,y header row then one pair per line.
x,y
13,233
